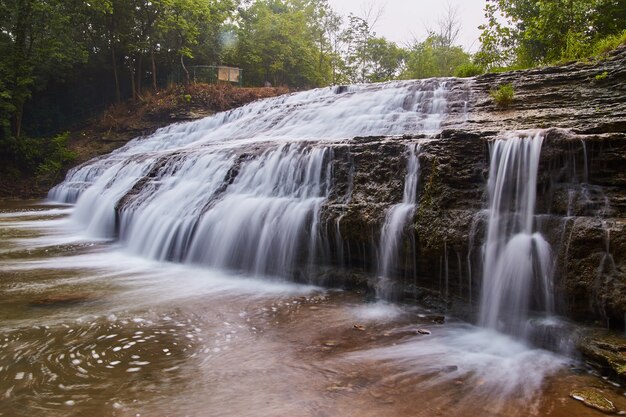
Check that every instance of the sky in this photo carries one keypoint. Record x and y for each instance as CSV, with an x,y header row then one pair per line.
x,y
404,20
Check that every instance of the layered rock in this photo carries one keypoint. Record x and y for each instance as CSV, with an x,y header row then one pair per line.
x,y
581,204
581,188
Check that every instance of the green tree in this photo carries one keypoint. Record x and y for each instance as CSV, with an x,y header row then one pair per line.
x,y
39,39
434,57
276,44
386,60
530,32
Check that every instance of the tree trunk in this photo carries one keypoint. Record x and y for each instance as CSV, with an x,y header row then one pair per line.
x,y
118,97
154,76
17,120
139,74
132,82
182,63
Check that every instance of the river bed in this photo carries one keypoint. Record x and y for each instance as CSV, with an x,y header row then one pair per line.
x,y
87,329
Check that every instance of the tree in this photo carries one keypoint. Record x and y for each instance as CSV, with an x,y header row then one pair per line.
x,y
276,44
385,60
38,39
437,55
531,32
434,58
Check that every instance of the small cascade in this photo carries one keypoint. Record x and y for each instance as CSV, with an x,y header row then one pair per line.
x,y
325,114
395,221
244,189
517,259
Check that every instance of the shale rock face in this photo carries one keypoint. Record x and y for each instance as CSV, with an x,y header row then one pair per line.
x,y
581,198
244,190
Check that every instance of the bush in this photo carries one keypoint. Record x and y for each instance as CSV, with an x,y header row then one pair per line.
x,y
468,70
44,157
606,45
602,76
503,95
57,156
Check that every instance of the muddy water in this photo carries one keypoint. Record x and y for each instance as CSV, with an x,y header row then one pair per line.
x,y
86,330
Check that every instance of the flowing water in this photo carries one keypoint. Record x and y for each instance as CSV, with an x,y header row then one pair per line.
x,y
166,286
90,329
397,217
517,260
242,189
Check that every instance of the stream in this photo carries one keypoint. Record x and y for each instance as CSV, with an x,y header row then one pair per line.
x,y
89,329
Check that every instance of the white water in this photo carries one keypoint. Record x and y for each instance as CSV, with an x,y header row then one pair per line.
x,y
242,189
395,220
517,259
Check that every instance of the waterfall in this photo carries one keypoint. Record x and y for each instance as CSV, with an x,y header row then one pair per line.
x,y
395,220
268,217
244,189
517,259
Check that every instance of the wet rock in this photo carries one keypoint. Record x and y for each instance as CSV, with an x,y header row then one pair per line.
x,y
607,350
449,369
581,202
359,327
423,331
595,399
437,319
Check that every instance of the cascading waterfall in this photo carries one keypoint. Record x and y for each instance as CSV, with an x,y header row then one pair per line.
x,y
244,189
517,259
395,220
269,216
326,114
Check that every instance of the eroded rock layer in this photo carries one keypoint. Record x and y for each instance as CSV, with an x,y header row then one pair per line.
x,y
300,185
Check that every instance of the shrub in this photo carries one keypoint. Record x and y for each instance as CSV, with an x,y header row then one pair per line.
x,y
468,70
503,95
602,76
57,156
606,45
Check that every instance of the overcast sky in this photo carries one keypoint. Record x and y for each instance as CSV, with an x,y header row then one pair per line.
x,y
403,20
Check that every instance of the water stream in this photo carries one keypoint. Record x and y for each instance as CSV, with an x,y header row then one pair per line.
x,y
175,277
517,266
89,329
395,221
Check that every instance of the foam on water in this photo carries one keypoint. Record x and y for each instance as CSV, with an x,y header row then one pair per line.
x,y
493,367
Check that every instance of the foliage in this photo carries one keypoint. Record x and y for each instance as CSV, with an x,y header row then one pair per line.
x,y
278,41
607,44
434,58
46,157
503,95
56,158
468,70
536,32
385,58
601,77
39,39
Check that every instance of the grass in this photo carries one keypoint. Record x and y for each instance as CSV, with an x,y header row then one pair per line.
x,y
602,76
606,45
468,70
503,95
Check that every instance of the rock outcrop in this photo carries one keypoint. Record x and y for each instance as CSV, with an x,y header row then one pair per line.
x,y
581,203
348,186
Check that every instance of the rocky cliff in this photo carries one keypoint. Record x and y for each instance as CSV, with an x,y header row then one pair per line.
x,y
581,203
284,187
